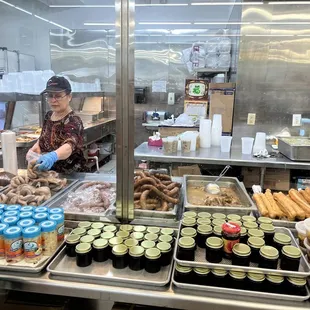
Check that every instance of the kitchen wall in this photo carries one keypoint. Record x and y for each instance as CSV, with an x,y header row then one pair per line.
x,y
273,70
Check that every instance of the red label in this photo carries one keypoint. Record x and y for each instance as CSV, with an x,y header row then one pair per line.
x,y
229,244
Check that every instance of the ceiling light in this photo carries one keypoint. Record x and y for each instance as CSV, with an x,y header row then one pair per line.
x,y
227,3
81,6
180,35
99,24
289,2
163,4
281,23
60,26
39,17
223,23
220,35
269,35
20,9
7,3
165,23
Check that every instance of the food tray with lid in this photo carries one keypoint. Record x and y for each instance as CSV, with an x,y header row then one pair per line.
x,y
245,208
80,216
238,292
22,266
295,148
200,261
65,267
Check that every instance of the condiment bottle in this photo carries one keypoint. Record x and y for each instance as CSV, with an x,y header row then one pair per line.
x,y
269,232
280,240
119,256
268,257
290,258
100,250
83,254
13,244
237,279
214,249
241,254
71,242
166,253
203,233
136,258
152,262
201,276
183,274
230,236
186,249
255,244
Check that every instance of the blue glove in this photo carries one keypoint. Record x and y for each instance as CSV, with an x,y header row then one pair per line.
x,y
47,161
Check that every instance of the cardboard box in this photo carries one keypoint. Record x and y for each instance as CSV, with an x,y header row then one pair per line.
x,y
222,98
174,131
182,170
275,179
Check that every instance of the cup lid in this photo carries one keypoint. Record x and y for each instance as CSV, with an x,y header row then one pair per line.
x,y
48,226
220,272
26,223
151,237
217,230
282,238
79,231
239,223
58,218
233,217
237,274
25,214
256,276
183,269
153,230
56,211
11,213
164,247
83,248
190,214
136,251
204,229
186,242
137,235
241,249
11,220
26,209
120,249
139,228
40,209
84,225
256,242
204,215
167,231
131,242
31,232
3,227
265,220
188,232
248,218
100,243
97,225
147,244
214,242
219,216
153,253
201,270
275,278
243,231
40,217
256,233
123,234
165,238
107,235
250,225
291,251
94,232
297,281
268,228
204,221
87,239
111,228
12,232
218,222
126,227
189,221
269,252
72,239
115,240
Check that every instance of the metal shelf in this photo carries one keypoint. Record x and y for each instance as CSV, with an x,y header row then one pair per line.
x,y
210,71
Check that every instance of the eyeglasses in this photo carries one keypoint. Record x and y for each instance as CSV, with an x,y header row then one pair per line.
x,y
56,97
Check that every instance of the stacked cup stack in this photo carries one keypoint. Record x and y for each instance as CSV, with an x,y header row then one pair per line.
x,y
205,133
216,132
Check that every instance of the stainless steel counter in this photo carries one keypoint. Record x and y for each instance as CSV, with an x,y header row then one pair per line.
x,y
214,156
167,297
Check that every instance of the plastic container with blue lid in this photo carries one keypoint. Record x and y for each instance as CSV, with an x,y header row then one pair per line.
x,y
26,209
26,223
10,213
32,244
13,243
56,211
11,220
41,210
2,249
25,215
60,220
2,206
49,237
1,211
12,208
40,217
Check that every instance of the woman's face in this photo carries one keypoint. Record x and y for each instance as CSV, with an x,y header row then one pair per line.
x,y
58,101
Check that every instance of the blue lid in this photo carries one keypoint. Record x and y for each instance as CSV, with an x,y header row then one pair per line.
x,y
40,210
58,218
26,209
10,213
25,215
26,223
40,217
11,220
2,206
1,211
12,208
31,232
3,227
56,211
48,226
12,232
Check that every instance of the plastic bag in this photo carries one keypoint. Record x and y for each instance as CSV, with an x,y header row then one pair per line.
x,y
32,156
212,60
224,45
186,55
211,46
184,119
224,61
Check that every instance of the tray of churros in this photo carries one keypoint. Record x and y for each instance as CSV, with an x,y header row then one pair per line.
x,y
284,210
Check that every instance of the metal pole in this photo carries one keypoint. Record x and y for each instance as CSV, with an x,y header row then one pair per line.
x,y
262,177
124,107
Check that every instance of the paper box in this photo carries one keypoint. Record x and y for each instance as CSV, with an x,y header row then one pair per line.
x,y
222,97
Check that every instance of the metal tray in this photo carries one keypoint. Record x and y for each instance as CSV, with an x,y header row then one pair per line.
x,y
66,267
200,261
78,216
247,204
224,290
24,267
294,152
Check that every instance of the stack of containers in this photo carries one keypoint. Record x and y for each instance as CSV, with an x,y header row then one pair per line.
x,y
29,233
216,132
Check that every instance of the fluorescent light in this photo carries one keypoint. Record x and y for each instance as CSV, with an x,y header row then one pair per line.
x,y
39,17
222,23
99,24
227,3
165,23
281,23
289,2
60,26
82,6
221,35
7,3
20,9
303,35
269,35
180,35
163,4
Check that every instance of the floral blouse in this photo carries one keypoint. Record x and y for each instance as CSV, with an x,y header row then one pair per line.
x,y
57,133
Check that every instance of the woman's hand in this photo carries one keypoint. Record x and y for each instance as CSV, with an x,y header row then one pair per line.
x,y
47,161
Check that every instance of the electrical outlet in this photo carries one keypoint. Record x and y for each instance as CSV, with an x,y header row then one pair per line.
x,y
296,121
251,118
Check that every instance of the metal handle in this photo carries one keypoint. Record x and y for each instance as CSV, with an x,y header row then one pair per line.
x,y
222,173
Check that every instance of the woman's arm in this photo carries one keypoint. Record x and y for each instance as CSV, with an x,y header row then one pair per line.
x,y
64,151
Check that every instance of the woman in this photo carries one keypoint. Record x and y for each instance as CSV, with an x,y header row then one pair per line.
x,y
61,140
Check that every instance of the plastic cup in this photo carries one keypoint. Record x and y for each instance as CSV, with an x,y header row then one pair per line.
x,y
247,145
186,145
301,231
217,121
225,144
167,146
260,142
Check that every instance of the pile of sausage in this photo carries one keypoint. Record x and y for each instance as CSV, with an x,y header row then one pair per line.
x,y
294,206
32,189
155,191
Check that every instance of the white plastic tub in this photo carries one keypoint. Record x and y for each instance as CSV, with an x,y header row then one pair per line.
x,y
302,232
